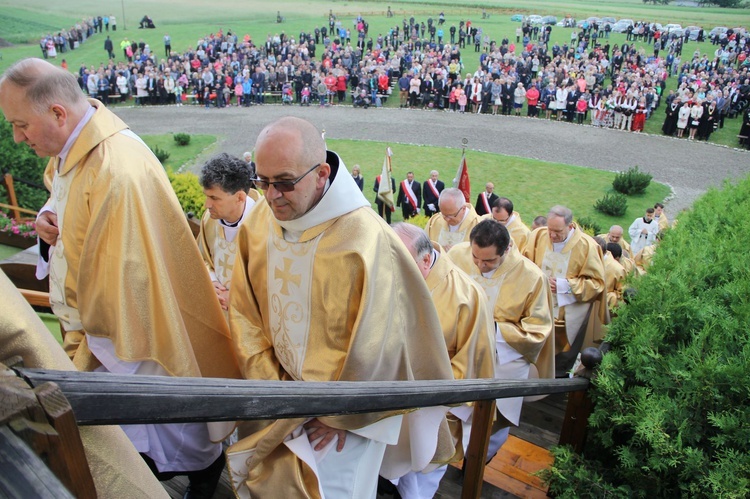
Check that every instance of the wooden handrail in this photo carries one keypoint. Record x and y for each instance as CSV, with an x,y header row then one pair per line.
x,y
18,209
102,398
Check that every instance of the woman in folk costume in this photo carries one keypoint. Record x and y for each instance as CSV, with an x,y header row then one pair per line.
x,y
639,119
596,105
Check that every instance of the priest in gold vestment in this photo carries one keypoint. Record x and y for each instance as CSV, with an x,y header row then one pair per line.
x,y
468,328
227,184
455,220
126,279
614,273
615,236
502,211
573,263
520,297
116,467
322,290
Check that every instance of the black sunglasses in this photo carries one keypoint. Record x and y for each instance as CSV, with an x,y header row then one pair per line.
x,y
281,185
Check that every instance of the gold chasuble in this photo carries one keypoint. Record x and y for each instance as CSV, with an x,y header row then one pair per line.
x,y
330,296
465,319
125,266
614,275
516,228
439,231
216,248
521,299
117,469
580,262
622,242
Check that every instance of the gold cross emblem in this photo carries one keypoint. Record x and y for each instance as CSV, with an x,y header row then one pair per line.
x,y
286,276
226,263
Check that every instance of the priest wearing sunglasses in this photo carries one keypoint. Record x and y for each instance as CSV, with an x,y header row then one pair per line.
x,y
323,290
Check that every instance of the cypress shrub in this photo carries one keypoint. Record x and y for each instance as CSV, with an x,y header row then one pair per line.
x,y
160,154
614,204
182,139
631,182
589,226
672,413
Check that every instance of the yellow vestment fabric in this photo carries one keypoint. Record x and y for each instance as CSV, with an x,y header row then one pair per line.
x,y
584,272
663,222
117,469
465,318
516,228
522,305
622,242
437,228
614,275
218,253
644,257
344,302
133,273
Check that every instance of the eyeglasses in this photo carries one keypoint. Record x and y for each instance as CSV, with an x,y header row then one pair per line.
x,y
455,215
281,185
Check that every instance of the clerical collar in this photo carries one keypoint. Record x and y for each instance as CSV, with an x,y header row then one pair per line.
x,y
74,136
342,197
557,247
435,256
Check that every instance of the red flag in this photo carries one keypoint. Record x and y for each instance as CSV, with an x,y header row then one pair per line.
x,y
462,179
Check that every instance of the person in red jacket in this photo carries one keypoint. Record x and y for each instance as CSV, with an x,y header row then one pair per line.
x,y
532,100
341,86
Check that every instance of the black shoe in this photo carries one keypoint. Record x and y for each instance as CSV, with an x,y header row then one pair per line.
x,y
203,483
386,487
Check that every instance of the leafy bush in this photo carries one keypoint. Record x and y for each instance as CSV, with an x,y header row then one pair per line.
x,y
182,139
21,162
589,226
631,182
160,154
419,220
189,192
672,413
612,204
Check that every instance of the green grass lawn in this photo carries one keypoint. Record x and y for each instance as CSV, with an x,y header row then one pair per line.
x,y
179,156
519,179
187,21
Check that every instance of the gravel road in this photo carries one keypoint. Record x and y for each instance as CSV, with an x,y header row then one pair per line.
x,y
690,168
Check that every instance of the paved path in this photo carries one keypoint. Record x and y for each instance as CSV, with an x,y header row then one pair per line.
x,y
689,167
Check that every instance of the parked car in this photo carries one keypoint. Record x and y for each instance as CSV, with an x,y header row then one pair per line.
x,y
719,31
549,20
534,19
621,26
610,20
516,17
693,32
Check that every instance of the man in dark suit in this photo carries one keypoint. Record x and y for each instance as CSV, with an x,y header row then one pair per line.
x,y
383,210
409,196
506,97
485,199
431,192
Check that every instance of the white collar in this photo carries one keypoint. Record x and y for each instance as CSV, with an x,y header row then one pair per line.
x,y
74,136
342,197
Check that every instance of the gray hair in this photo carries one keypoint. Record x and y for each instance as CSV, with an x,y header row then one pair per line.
x,y
562,212
44,84
453,194
414,238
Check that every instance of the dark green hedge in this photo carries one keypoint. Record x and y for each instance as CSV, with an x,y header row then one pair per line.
x,y
672,416
21,162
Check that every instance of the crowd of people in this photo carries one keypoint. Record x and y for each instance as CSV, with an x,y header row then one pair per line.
x,y
587,80
65,40
252,298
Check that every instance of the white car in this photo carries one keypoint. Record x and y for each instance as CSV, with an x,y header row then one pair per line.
x,y
670,28
534,19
